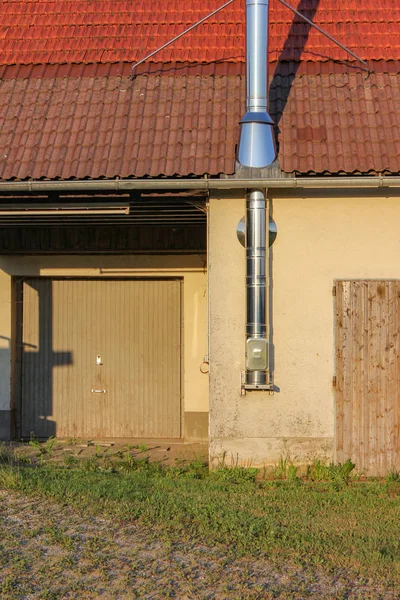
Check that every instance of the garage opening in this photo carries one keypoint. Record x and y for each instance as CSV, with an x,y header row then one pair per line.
x,y
100,358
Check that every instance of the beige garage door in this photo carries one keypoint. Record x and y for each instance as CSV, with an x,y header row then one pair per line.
x,y
101,358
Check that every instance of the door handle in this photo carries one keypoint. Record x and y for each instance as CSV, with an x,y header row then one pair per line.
x,y
98,391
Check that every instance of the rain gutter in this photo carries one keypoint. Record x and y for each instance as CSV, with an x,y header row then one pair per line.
x,y
125,185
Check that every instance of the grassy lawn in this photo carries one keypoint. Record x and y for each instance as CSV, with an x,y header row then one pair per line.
x,y
325,519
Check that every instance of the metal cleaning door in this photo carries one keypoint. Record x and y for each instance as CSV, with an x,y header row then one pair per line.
x,y
101,358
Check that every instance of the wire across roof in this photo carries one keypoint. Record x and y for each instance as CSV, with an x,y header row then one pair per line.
x,y
48,31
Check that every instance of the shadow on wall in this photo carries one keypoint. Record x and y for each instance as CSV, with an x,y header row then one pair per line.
x,y
5,415
279,93
37,360
270,315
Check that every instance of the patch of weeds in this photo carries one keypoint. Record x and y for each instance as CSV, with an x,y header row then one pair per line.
x,y
68,562
73,441
339,473
127,462
100,453
143,447
195,469
35,443
131,446
50,595
34,532
89,464
70,460
316,471
7,455
57,536
285,469
95,544
21,458
292,475
393,476
317,523
10,478
45,449
8,586
49,444
235,474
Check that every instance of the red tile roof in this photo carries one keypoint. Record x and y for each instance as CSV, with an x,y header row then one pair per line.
x,y
97,125
74,31
68,108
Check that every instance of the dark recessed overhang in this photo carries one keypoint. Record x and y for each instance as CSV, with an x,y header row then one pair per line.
x,y
137,210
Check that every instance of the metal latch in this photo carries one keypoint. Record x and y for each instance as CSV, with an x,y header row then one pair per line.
x,y
98,391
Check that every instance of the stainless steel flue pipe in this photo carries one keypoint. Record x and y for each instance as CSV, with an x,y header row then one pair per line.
x,y
257,149
256,288
257,146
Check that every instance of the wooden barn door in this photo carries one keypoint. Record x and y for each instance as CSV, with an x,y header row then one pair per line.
x,y
367,375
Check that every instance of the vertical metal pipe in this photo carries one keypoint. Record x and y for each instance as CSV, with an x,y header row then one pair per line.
x,y
257,146
257,149
256,276
256,55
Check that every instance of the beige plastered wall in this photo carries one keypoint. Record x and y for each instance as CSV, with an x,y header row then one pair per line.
x,y
193,271
320,239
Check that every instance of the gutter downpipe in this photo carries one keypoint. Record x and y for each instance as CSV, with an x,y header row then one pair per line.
x,y
257,149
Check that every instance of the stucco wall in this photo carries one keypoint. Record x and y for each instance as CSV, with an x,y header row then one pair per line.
x,y
191,268
319,240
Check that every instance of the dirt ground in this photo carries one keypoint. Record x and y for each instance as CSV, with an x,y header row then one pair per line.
x,y
168,452
50,551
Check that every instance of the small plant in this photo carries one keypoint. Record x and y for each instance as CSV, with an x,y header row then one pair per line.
x,y
131,446
345,470
70,460
143,447
339,473
43,448
7,455
393,476
10,478
128,462
34,442
281,468
90,464
292,473
49,445
285,469
317,471
98,453
72,441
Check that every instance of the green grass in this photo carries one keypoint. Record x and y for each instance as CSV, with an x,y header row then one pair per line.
x,y
335,523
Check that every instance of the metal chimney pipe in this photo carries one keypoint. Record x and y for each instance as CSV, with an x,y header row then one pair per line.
x,y
257,149
257,146
256,289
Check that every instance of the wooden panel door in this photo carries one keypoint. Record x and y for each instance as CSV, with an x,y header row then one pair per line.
x,y
367,375
101,358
